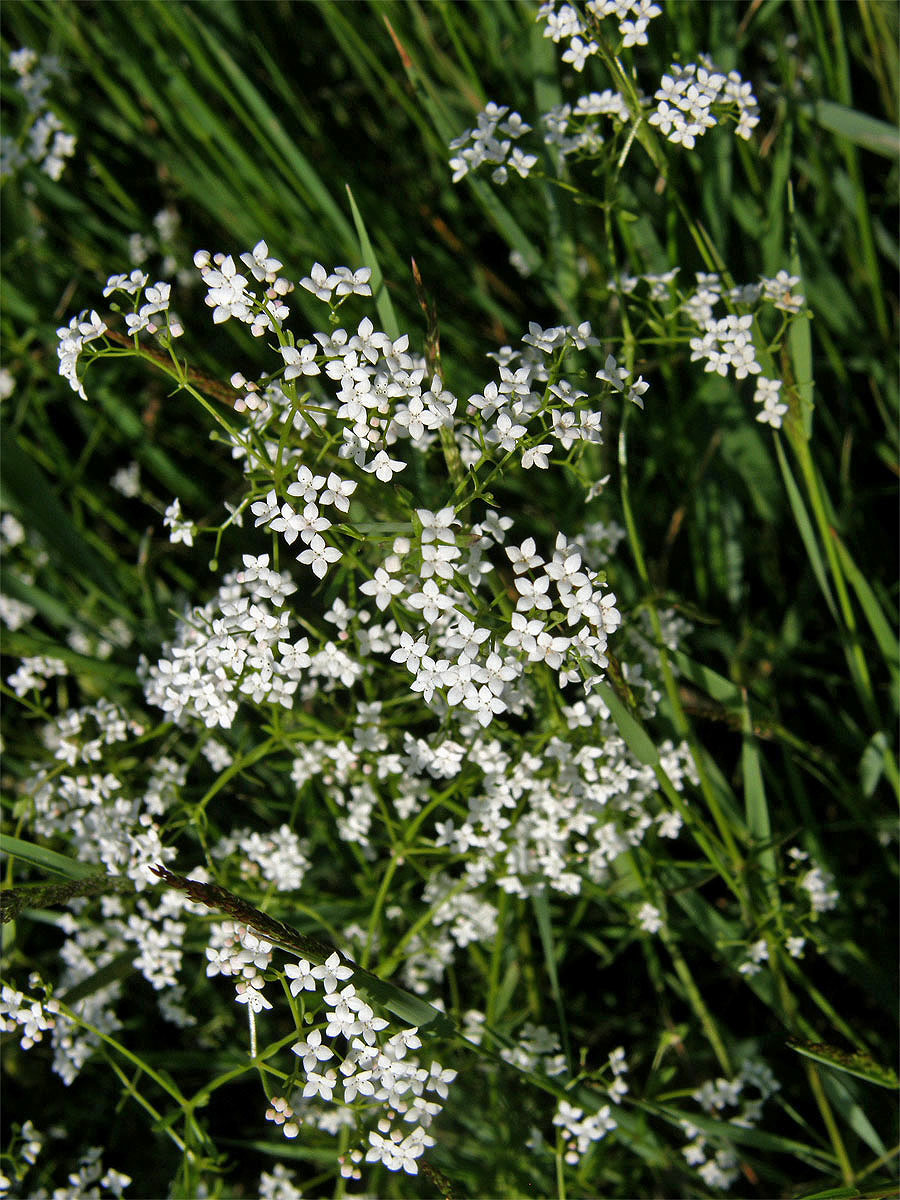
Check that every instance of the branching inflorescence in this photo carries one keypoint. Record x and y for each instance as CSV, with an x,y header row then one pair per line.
x,y
410,655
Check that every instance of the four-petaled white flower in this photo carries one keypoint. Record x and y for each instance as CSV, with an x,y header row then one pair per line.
x,y
312,1052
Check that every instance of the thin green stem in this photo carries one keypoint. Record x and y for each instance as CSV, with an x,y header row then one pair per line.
x,y
697,1002
679,716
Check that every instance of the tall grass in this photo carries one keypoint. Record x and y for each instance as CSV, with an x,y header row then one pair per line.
x,y
751,694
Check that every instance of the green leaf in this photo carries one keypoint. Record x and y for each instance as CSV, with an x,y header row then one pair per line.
x,y
709,681
804,525
853,1062
755,804
379,291
881,137
26,489
800,335
47,860
638,741
121,967
874,614
871,765
545,929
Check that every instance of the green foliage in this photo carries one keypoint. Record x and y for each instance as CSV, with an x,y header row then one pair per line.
x,y
324,128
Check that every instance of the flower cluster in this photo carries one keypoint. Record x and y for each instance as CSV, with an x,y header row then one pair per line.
x,y
229,296
726,344
690,99
579,1131
486,147
114,822
32,673
720,1168
33,1017
453,626
84,1183
379,1079
768,394
374,1082
73,338
571,130
68,737
48,145
566,23
816,882
686,96
240,643
278,857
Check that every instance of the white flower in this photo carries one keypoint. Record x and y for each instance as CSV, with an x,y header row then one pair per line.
x,y
320,283
506,431
524,558
302,976
579,52
431,601
263,268
382,587
533,594
522,163
319,556
312,1052
299,361
320,1085
353,282
383,467
649,918
332,972
766,390
248,993
437,525
337,492
266,510
536,456
182,530
410,651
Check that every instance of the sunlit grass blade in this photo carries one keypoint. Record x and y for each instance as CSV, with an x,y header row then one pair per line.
x,y
805,529
379,291
864,131
885,636
639,742
46,860
862,1065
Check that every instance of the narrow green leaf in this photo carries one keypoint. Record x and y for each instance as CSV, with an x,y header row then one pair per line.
x,y
28,491
262,121
800,334
47,860
881,137
804,525
843,1095
855,1062
756,806
638,741
874,614
446,130
379,291
709,681
545,929
506,990
121,967
871,765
